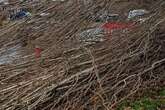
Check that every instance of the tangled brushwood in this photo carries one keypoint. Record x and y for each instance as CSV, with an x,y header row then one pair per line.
x,y
73,75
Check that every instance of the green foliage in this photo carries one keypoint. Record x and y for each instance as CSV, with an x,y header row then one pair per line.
x,y
124,104
145,103
162,92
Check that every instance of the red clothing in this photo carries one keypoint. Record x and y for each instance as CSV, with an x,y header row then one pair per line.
x,y
38,52
116,25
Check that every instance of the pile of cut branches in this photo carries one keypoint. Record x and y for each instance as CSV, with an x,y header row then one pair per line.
x,y
71,75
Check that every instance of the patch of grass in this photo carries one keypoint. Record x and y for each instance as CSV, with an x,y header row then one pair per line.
x,y
142,104
145,103
162,92
124,104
